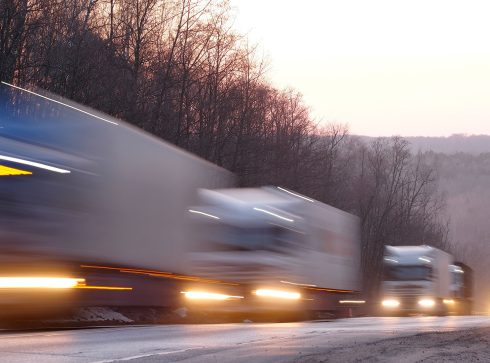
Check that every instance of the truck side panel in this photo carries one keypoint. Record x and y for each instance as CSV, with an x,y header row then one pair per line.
x,y
333,257
125,201
442,260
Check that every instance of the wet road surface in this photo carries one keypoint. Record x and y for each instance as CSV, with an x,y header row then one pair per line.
x,y
341,340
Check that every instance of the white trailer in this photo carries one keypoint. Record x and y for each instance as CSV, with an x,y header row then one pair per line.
x,y
284,250
416,279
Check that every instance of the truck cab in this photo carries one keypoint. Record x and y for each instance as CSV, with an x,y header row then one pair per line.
x,y
249,237
282,249
416,279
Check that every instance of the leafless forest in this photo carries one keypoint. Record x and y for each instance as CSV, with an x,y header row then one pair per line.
x,y
177,69
465,180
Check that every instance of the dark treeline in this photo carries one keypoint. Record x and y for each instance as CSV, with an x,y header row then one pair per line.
x,y
177,69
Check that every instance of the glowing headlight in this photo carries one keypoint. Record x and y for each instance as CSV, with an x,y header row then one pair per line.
x,y
39,282
427,303
203,295
390,303
278,294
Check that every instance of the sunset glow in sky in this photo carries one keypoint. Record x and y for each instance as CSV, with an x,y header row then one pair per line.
x,y
382,66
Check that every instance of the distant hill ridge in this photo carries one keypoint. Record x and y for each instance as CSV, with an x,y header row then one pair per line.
x,y
472,144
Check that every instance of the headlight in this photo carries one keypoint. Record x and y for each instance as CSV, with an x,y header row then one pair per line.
x,y
204,295
390,303
289,295
427,303
40,282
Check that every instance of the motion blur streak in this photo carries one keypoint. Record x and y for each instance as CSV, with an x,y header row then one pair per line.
x,y
208,295
35,164
278,294
329,290
297,284
163,274
202,213
59,102
274,214
6,171
103,287
352,301
40,282
51,283
391,260
296,195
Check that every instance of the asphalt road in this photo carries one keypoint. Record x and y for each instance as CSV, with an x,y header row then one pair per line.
x,y
359,339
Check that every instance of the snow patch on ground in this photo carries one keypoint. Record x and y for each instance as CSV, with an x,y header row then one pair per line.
x,y
101,314
182,312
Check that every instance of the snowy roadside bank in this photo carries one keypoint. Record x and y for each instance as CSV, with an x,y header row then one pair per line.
x,y
457,346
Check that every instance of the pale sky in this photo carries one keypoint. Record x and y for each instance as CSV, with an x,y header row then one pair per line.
x,y
385,67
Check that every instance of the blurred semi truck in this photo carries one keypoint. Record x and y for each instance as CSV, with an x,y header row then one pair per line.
x,y
91,205
284,250
424,279
96,212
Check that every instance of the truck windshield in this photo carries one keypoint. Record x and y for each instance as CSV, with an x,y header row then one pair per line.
x,y
407,273
259,238
457,279
234,238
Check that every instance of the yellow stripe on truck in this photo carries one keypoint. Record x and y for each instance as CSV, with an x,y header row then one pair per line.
x,y
7,171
